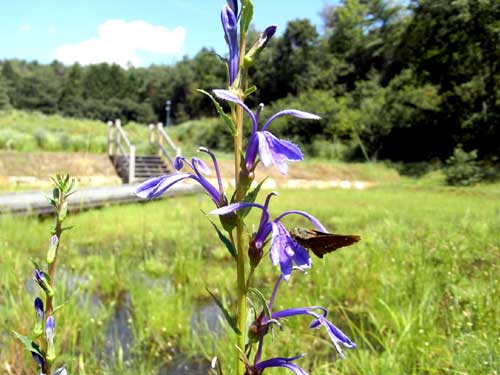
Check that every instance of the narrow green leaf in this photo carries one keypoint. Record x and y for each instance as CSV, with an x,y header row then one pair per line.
x,y
28,344
262,300
250,90
225,241
223,115
69,227
231,320
55,194
246,16
58,307
251,197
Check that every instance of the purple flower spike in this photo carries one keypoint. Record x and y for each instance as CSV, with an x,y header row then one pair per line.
x,y
259,367
230,26
39,307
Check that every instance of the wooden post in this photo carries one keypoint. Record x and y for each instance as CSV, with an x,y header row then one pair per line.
x,y
131,165
118,125
111,140
159,127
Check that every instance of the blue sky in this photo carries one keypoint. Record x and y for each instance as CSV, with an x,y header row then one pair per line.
x,y
142,32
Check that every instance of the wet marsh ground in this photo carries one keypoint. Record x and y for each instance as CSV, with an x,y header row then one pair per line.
x,y
419,294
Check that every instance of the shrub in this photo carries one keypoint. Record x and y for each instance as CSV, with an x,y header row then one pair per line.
x,y
462,168
211,133
11,139
330,150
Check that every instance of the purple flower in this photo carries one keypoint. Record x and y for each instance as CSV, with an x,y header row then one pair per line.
x,y
259,45
233,4
337,337
61,371
39,307
49,329
41,280
40,362
271,149
155,187
261,324
259,367
38,328
50,326
285,251
266,36
230,26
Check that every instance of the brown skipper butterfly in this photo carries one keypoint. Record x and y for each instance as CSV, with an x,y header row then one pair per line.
x,y
321,243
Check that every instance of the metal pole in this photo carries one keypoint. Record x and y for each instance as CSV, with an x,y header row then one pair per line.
x,y
168,104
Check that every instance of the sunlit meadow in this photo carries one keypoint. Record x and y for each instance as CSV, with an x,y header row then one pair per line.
x,y
419,294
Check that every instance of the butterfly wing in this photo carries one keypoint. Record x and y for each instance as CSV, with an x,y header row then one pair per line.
x,y
321,243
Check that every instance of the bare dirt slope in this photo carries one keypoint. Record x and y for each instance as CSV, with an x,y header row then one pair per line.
x,y
22,170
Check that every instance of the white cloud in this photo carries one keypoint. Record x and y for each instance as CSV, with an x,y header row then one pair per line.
x,y
119,42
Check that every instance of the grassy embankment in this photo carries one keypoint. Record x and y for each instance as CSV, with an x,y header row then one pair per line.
x,y
419,294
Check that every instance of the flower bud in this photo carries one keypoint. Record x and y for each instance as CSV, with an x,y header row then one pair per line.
x,y
40,279
49,336
255,253
259,45
51,253
257,329
38,328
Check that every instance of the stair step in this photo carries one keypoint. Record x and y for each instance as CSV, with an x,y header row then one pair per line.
x,y
146,167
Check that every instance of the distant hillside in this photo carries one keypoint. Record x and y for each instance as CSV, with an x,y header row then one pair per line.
x,y
33,131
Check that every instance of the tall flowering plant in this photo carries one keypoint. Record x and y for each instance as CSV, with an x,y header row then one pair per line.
x,y
261,147
41,341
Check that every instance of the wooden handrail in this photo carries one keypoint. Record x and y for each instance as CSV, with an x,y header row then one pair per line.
x,y
119,145
116,138
159,137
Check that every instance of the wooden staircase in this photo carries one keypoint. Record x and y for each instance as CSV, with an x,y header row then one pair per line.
x,y
146,166
133,168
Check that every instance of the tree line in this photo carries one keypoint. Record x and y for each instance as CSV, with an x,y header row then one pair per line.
x,y
406,82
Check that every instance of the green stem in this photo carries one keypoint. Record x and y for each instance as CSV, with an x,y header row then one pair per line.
x,y
240,259
242,297
49,303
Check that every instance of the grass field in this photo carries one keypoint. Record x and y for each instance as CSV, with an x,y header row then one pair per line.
x,y
34,131
419,294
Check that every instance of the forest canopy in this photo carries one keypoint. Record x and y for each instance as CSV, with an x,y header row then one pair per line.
x,y
407,82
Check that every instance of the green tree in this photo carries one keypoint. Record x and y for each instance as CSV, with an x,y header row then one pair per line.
x,y
71,98
456,46
4,97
